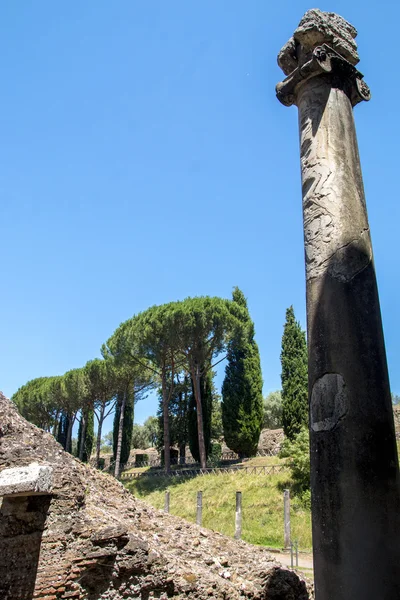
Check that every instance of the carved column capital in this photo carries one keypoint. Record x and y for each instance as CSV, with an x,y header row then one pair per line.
x,y
322,45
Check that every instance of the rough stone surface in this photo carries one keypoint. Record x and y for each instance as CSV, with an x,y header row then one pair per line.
x,y
26,481
270,442
315,28
91,539
328,402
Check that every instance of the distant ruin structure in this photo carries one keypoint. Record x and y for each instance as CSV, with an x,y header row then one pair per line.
x,y
354,467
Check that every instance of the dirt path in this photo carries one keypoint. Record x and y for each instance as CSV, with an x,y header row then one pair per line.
x,y
305,559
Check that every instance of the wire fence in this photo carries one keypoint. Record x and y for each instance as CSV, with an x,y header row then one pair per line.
x,y
290,546
226,459
184,472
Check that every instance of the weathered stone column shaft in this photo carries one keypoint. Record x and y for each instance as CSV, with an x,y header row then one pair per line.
x,y
354,464
355,483
336,228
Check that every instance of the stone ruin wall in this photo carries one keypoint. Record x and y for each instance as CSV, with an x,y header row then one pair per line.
x,y
91,539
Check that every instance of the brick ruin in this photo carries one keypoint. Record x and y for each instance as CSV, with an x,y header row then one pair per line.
x,y
89,538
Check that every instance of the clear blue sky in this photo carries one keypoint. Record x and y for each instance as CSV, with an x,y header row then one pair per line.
x,y
145,158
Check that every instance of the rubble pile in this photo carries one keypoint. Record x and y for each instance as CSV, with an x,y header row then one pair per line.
x,y
88,538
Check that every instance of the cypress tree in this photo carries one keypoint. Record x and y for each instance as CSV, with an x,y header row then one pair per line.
x,y
206,402
242,401
63,426
294,377
89,435
127,428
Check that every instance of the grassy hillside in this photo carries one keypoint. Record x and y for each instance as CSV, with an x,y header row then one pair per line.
x,y
262,500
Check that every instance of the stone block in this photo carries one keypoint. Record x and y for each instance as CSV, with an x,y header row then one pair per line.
x,y
34,479
317,28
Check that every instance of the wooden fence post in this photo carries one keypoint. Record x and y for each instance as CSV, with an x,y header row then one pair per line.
x,y
238,516
286,518
166,502
199,513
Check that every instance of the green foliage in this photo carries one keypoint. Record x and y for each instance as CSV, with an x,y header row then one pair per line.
x,y
107,440
217,430
294,377
89,435
214,457
159,347
75,390
242,404
298,450
75,384
206,402
140,437
156,334
100,381
152,428
127,428
273,410
37,402
203,324
203,327
132,377
74,446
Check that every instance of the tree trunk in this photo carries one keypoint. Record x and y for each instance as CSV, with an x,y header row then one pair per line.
x,y
98,443
199,409
56,423
83,435
68,442
120,432
165,398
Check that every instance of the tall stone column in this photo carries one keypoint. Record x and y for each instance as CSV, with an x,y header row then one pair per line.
x,y
355,483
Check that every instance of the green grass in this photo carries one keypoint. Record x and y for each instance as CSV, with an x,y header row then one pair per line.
x,y
261,461
262,504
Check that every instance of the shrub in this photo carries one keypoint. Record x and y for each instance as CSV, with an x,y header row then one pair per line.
x,y
214,458
298,450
